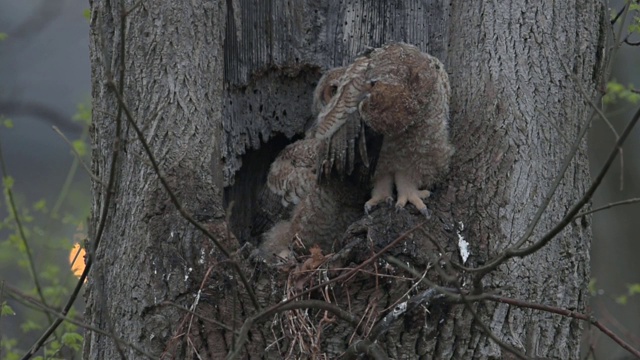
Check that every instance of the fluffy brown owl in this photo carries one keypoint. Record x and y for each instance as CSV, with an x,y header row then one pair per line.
x,y
293,204
391,105
403,95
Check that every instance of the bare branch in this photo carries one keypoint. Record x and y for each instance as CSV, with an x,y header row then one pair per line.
x,y
615,18
13,210
567,313
91,251
488,331
249,322
365,347
522,252
20,296
77,155
41,111
608,206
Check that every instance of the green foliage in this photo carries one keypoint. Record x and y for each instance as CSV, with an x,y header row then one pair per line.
x,y
592,287
7,183
617,91
40,206
6,122
80,146
8,348
87,14
6,310
35,244
634,27
83,113
3,36
72,340
30,325
632,289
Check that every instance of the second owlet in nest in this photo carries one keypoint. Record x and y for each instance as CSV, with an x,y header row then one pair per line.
x,y
383,120
294,204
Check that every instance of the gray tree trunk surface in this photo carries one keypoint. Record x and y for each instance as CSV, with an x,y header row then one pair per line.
x,y
218,88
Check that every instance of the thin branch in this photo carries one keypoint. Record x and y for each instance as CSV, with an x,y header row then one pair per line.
x,y
547,200
608,206
41,111
372,349
424,298
16,216
617,42
17,294
100,275
488,332
35,347
77,155
174,198
203,318
522,252
615,18
567,313
96,241
249,322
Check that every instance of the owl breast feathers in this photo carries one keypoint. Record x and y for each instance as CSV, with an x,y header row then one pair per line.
x,y
381,121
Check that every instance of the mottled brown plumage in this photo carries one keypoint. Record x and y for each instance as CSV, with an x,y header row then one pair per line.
x,y
395,92
295,204
402,94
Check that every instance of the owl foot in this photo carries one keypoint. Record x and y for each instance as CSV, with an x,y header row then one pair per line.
x,y
369,205
414,197
409,192
382,191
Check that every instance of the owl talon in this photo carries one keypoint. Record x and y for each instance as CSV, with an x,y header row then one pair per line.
x,y
367,208
426,213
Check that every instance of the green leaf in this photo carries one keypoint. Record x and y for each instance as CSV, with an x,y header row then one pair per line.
x,y
8,123
3,36
634,289
87,14
592,287
72,340
29,325
7,349
80,146
40,205
83,113
7,181
622,299
6,310
617,91
13,356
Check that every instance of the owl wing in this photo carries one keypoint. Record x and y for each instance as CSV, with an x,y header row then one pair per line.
x,y
348,146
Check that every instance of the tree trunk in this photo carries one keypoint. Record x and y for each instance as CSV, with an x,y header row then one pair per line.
x,y
218,88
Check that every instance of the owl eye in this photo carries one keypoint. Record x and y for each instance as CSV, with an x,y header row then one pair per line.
x,y
329,93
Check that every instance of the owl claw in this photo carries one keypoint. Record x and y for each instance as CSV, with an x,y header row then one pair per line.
x,y
399,208
367,208
426,212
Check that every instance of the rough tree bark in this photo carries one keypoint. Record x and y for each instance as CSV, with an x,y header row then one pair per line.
x,y
217,88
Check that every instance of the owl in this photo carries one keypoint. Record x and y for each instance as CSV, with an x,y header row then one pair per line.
x,y
294,204
401,94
